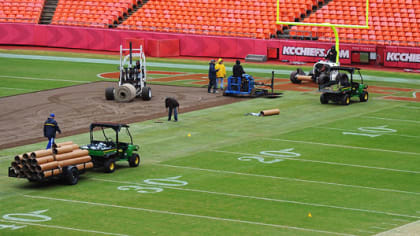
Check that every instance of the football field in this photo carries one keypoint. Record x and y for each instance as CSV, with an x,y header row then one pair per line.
x,y
312,170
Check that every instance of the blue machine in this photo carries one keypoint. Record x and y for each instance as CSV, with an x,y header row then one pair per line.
x,y
243,86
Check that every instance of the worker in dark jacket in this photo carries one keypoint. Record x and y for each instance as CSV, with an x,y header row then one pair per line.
x,y
332,54
212,76
172,104
50,129
237,69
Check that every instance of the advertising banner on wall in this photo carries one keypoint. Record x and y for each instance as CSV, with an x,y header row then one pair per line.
x,y
311,51
402,57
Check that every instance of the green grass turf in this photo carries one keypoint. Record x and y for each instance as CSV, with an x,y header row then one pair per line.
x,y
231,175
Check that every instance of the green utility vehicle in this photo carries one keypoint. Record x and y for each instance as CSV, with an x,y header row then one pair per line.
x,y
342,89
105,151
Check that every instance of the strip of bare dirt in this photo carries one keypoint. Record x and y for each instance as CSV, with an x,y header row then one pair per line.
x,y
22,116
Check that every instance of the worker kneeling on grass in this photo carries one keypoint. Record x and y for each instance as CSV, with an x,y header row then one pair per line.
x,y
50,129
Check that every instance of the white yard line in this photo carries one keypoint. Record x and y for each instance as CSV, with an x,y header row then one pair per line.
x,y
185,214
16,89
365,231
290,179
342,146
269,199
62,227
411,107
402,135
382,118
325,162
43,79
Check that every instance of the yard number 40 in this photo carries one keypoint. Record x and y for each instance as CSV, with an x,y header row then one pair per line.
x,y
372,131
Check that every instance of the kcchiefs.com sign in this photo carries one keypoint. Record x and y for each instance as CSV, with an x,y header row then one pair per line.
x,y
311,52
403,57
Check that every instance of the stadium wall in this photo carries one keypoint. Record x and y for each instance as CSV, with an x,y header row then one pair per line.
x,y
163,44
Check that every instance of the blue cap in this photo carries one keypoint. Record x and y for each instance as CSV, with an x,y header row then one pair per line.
x,y
52,115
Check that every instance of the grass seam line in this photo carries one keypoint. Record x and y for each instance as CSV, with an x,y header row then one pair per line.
x,y
324,162
187,215
383,118
270,199
290,179
62,227
342,146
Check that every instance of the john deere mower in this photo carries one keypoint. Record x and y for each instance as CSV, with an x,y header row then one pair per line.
x,y
132,79
344,87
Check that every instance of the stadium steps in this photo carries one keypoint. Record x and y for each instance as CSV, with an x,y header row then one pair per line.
x,y
303,35
135,9
48,11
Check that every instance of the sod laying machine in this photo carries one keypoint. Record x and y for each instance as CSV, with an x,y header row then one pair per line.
x,y
66,161
132,79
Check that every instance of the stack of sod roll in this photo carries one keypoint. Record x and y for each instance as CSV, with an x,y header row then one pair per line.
x,y
45,163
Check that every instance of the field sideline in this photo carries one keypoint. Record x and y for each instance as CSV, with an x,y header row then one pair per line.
x,y
313,170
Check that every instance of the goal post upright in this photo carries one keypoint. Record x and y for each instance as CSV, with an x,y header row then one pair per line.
x,y
326,24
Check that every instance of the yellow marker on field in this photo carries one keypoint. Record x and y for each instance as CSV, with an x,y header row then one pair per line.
x,y
189,135
310,215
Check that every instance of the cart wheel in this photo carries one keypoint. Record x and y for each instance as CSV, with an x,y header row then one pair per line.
x,y
323,99
134,160
109,166
345,100
109,93
364,97
71,175
146,93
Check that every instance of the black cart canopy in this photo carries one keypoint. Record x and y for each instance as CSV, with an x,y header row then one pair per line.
x,y
114,126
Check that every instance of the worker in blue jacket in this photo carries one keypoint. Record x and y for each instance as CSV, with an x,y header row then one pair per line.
x,y
50,129
212,77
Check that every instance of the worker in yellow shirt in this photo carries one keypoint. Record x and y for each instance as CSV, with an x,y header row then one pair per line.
x,y
220,74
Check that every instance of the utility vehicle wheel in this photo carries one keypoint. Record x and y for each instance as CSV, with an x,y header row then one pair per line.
x,y
345,100
364,97
109,93
71,175
125,93
146,93
134,160
323,98
109,166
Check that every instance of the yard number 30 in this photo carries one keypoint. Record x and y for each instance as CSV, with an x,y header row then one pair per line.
x,y
285,153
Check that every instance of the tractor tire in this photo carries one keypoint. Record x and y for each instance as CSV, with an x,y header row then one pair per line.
x,y
134,160
293,78
109,166
323,98
364,97
345,100
125,93
323,78
71,175
109,93
146,93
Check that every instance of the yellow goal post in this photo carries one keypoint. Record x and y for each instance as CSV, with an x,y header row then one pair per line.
x,y
327,24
